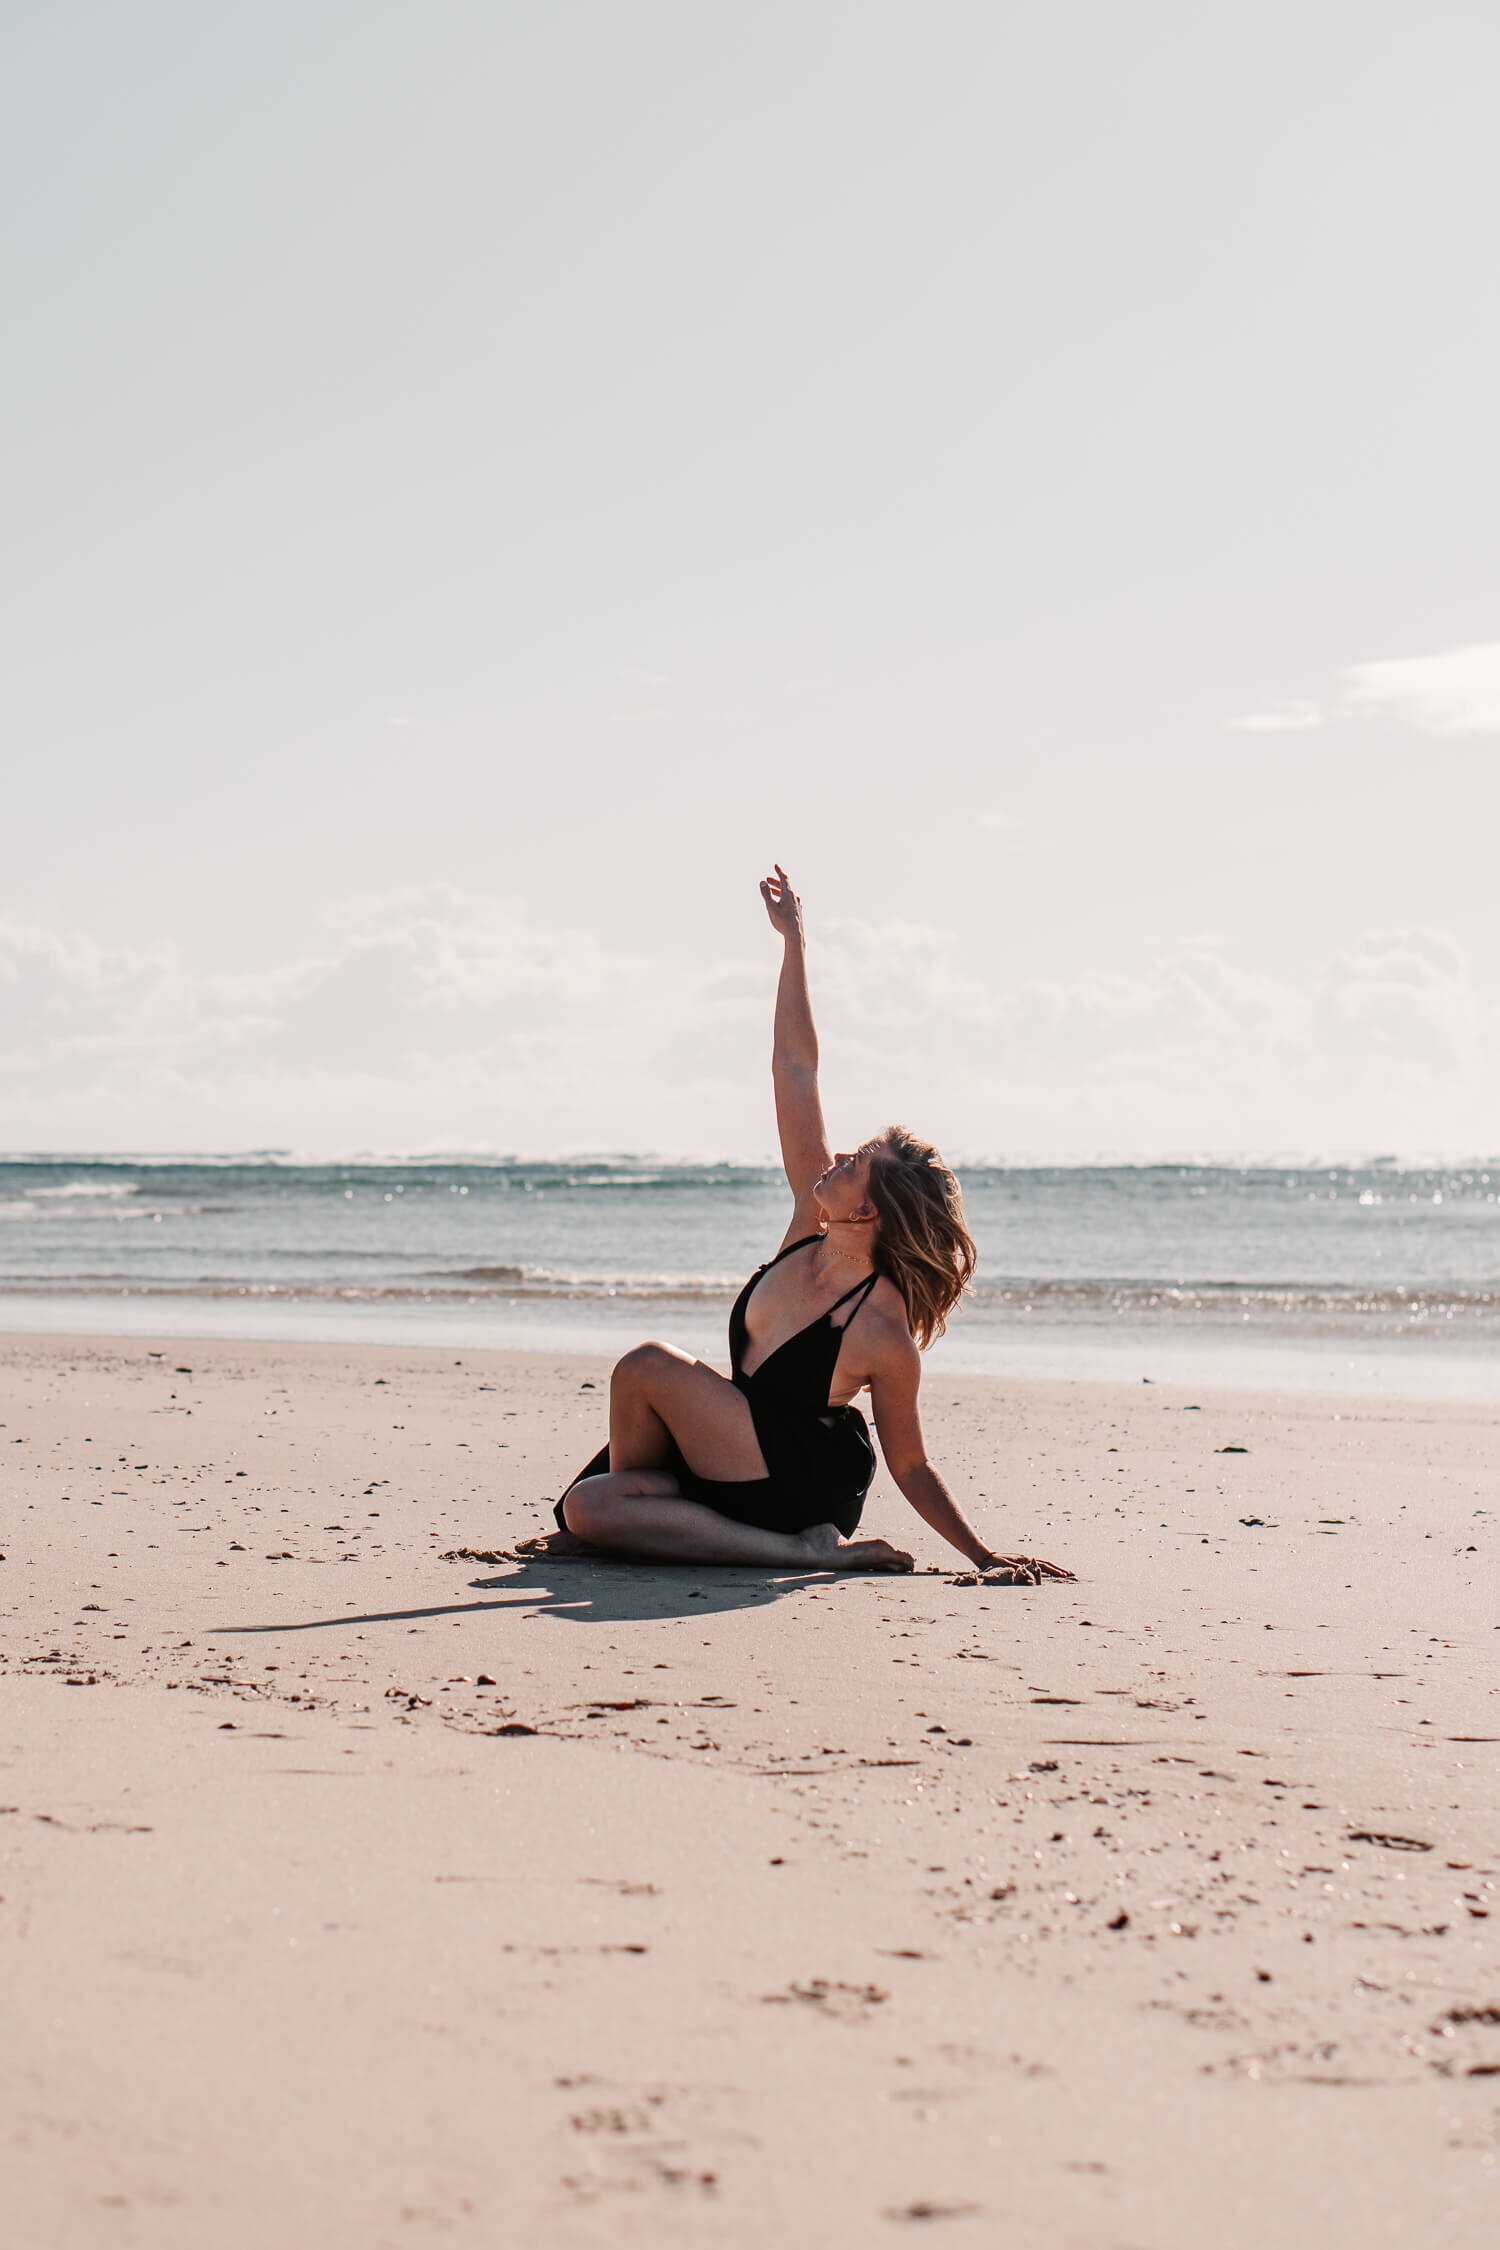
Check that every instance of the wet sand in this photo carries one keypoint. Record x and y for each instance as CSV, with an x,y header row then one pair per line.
x,y
355,1896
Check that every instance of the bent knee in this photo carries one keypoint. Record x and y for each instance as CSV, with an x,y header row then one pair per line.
x,y
641,1361
592,1509
598,1507
580,1513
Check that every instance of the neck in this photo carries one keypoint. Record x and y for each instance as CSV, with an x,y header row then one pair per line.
x,y
858,1244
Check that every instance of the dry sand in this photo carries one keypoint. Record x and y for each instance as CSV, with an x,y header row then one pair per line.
x,y
1149,1913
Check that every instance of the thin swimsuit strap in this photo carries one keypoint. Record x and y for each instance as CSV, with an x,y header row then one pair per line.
x,y
739,1338
866,1284
800,1244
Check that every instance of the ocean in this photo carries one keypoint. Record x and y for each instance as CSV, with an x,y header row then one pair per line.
x,y
1375,1279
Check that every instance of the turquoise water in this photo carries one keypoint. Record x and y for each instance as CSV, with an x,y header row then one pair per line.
x,y
1392,1275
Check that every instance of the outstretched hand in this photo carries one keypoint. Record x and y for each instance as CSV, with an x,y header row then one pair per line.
x,y
1019,1570
782,904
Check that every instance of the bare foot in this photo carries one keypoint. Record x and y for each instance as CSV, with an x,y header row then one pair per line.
x,y
830,1552
558,1546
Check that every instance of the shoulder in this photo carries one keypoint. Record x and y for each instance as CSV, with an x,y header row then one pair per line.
x,y
890,1347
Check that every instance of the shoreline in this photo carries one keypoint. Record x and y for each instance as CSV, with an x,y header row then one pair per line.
x,y
1419,1367
359,1888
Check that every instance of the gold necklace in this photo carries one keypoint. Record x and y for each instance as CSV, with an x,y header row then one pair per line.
x,y
834,1251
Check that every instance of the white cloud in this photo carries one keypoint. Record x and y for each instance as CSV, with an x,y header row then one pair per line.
x,y
1284,718
1454,692
1403,994
434,1018
1001,823
1457,692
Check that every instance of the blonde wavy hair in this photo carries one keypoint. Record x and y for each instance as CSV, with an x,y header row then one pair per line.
x,y
922,1243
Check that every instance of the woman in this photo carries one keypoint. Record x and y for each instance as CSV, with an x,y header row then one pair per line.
x,y
772,1467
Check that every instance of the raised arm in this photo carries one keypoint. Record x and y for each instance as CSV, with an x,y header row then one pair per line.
x,y
893,1393
805,1152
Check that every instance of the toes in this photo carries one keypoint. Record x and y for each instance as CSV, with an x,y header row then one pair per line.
x,y
551,1545
888,1558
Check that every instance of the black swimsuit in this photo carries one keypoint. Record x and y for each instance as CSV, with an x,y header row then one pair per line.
x,y
818,1457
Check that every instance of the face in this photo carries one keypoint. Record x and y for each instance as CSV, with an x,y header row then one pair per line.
x,y
843,1190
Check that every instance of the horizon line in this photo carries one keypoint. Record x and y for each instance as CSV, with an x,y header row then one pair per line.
x,y
1020,1161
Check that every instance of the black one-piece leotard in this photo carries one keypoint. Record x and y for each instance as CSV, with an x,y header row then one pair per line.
x,y
818,1457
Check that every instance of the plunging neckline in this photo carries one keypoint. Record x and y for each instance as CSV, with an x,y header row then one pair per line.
x,y
865,1283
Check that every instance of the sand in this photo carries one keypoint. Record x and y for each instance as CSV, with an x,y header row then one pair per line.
x,y
355,1897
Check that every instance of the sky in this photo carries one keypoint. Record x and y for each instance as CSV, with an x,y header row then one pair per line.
x,y
482,481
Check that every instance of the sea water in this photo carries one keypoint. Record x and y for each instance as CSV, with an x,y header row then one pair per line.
x,y
1374,1278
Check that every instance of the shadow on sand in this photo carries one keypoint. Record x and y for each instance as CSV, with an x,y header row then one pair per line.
x,y
585,1593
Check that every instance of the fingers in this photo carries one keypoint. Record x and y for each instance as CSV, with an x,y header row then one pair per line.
x,y
780,899
1020,1570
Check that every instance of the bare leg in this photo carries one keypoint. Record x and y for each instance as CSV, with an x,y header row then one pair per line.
x,y
640,1512
658,1394
638,1437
